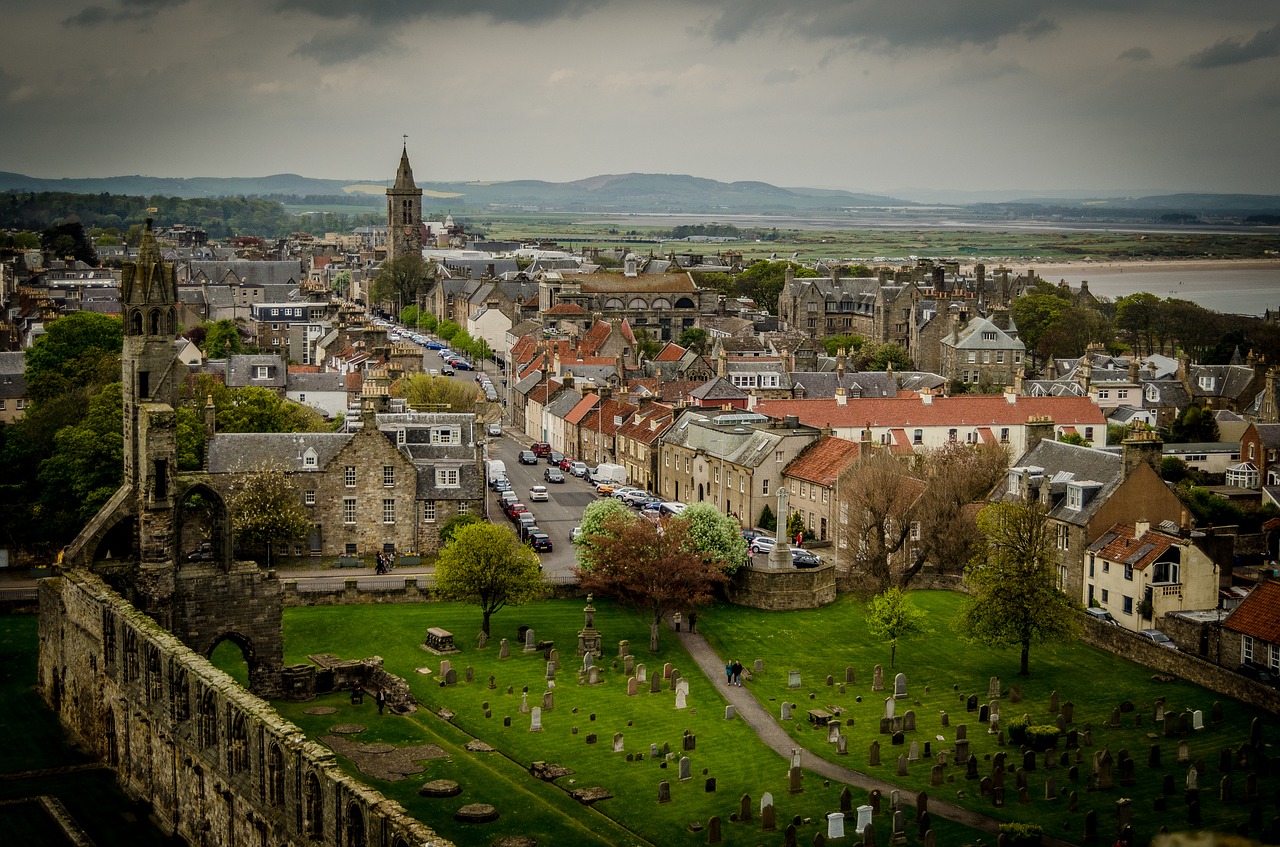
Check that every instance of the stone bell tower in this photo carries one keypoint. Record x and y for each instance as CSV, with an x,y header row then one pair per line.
x,y
404,213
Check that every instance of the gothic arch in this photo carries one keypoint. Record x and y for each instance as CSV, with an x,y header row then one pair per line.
x,y
313,807
203,522
355,826
135,322
246,649
157,325
275,775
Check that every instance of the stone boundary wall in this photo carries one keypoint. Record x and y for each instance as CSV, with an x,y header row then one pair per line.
x,y
339,591
215,764
1179,663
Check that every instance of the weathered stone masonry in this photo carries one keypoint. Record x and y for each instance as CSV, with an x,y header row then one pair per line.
x,y
217,765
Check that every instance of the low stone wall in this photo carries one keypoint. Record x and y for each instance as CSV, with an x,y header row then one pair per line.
x,y
1126,644
215,764
340,591
784,588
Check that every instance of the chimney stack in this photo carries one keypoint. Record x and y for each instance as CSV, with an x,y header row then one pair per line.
x,y
1143,446
1039,428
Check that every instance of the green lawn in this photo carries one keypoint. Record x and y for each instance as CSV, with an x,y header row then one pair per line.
x,y
940,669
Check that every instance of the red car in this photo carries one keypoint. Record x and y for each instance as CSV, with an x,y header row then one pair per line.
x,y
540,449
565,463
513,509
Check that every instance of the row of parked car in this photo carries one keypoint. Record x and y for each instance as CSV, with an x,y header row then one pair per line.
x,y
762,544
525,524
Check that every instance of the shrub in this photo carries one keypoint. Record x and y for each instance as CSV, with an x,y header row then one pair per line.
x,y
1042,737
1017,729
1021,834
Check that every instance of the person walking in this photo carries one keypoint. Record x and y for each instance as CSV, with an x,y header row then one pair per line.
x,y
737,673
693,621
381,699
728,672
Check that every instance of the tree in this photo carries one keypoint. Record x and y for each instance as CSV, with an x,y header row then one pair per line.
x,y
795,525
69,241
716,535
879,358
1014,599
592,525
768,520
653,568
78,352
437,393
1193,426
401,280
848,343
455,523
1036,313
86,466
891,615
695,338
1136,318
485,565
222,339
647,347
341,284
256,409
265,508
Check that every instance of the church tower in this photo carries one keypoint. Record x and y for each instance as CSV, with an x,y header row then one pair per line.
x,y
404,213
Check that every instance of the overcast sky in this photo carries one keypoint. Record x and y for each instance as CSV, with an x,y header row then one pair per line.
x,y
865,95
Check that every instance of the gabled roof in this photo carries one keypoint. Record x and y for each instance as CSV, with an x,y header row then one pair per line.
x,y
717,389
1059,464
1118,544
824,460
585,405
1258,614
959,411
670,353
241,452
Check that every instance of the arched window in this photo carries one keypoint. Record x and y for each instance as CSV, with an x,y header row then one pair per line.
x,y
208,720
613,303
313,809
155,321
684,303
238,744
355,826
660,303
275,775
135,321
637,303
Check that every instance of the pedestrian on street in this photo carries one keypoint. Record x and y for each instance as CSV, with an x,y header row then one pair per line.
x,y
737,673
728,672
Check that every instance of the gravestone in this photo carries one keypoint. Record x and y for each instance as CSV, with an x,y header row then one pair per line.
x,y
993,688
713,830
766,799
993,711
535,720
530,641
900,686
899,739
1197,720
835,825
689,741
899,834
1029,760
445,666
962,752
768,818
642,673
971,703
937,775
943,719
666,670
1053,703
617,742
848,676
833,731
913,753
1153,756
633,687
962,732
710,785
628,664
842,745
1091,825
1226,789
1215,712
1050,789
902,764
864,818
909,721
758,667
451,677
686,769
730,712
655,684
680,698
744,807
664,792
984,714
794,777
1184,754
793,679
785,711
888,707
873,797
504,649
588,661
795,757
593,674
1073,802
874,759
624,648
997,797
1068,711
548,701
877,679
524,703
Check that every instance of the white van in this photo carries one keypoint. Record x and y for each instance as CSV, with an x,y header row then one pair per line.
x,y
495,469
610,474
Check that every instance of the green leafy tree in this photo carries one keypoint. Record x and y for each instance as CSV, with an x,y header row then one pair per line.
x,y
190,439
1193,426
880,357
715,535
848,343
485,565
447,330
1013,596
647,346
409,315
266,509
594,519
78,353
429,322
1037,314
222,339
795,525
427,393
455,523
86,466
255,409
1073,438
891,616
696,339
399,281
341,284
1136,318
653,568
69,241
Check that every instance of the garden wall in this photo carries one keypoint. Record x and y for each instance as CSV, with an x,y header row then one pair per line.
x,y
216,765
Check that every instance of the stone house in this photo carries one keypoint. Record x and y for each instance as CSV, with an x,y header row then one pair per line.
x,y
389,485
258,370
812,481
1140,574
638,440
325,392
734,461
1085,492
1251,633
985,351
664,304
13,386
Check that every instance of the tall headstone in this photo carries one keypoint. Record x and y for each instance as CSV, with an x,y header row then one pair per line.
x,y
835,825
900,686
993,688
530,641
793,679
504,649
713,830
877,679
864,818
664,792
617,742
744,808
642,673
535,720
889,707
848,676
794,777
633,687
680,698
785,711
768,817
874,760
686,769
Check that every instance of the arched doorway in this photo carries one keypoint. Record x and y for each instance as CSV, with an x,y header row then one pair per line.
x,y
233,655
700,492
203,531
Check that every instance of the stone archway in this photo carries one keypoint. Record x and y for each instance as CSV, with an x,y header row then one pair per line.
x,y
247,650
203,526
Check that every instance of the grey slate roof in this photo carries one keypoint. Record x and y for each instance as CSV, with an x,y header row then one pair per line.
x,y
823,384
718,389
330,381
563,403
13,380
241,452
279,274
1062,463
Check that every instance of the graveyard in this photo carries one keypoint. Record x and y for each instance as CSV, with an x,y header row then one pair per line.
x,y
529,740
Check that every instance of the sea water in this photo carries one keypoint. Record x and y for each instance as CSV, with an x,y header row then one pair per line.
x,y
1237,291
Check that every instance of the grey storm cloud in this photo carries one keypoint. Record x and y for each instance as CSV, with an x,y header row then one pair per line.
x,y
124,11
1233,51
398,11
1136,54
335,47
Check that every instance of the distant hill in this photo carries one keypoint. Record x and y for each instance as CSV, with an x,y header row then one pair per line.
x,y
654,193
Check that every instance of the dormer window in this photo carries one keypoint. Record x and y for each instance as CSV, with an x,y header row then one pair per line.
x,y
261,372
309,459
1152,394
1075,497
1015,481
1206,382
445,435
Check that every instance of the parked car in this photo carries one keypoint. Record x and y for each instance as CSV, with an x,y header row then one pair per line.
x,y
578,469
446,371
575,534
647,504
501,484
527,457
433,372
541,448
1261,673
515,508
672,507
565,464
617,490
553,475
749,535
1100,615
763,544
508,497
525,523
635,495
541,541
538,492
802,558
1158,637
495,430
554,458
605,489
463,365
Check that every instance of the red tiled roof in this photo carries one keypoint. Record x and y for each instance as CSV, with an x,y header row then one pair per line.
x,y
987,436
627,334
901,444
1258,614
1124,546
603,422
578,412
824,461
671,353
964,410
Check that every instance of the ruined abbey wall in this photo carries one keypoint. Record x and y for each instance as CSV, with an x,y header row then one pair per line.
x,y
217,765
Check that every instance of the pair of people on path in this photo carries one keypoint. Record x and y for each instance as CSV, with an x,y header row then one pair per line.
x,y
733,673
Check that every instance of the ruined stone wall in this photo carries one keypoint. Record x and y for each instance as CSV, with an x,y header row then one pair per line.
x,y
216,764
784,589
